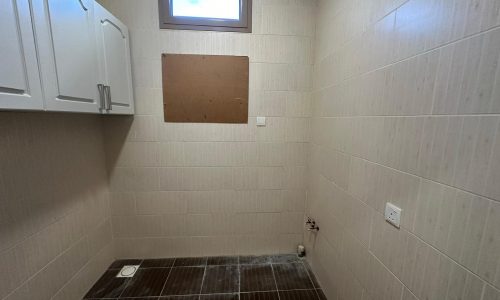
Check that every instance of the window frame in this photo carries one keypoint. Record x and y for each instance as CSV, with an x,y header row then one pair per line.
x,y
169,21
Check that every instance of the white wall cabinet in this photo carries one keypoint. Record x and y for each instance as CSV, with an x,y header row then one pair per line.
x,y
68,54
114,63
75,56
19,78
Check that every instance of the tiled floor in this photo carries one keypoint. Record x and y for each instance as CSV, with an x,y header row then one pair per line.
x,y
275,277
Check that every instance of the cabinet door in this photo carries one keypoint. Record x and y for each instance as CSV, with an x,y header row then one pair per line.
x,y
68,54
114,62
19,77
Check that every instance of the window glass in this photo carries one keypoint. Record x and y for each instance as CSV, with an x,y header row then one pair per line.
x,y
214,9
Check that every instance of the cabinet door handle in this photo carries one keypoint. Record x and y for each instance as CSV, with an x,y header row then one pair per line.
x,y
100,88
107,91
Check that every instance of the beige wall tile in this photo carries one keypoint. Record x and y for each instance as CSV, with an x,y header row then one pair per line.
x,y
170,171
54,203
492,189
489,259
152,203
135,179
406,92
490,293
122,203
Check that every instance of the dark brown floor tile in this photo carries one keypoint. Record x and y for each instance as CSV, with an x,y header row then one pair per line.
x,y
157,263
146,282
298,295
185,297
259,296
222,260
108,286
292,276
255,260
118,264
321,295
284,258
141,298
219,297
220,279
256,278
311,275
184,281
190,261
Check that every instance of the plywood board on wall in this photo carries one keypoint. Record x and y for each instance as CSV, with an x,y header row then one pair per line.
x,y
205,88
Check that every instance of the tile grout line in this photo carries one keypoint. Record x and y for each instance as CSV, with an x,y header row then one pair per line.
x,y
226,293
169,272
232,292
310,278
239,278
410,230
275,282
397,61
203,279
130,279
393,168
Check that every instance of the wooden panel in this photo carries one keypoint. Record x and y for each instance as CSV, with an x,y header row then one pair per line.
x,y
205,88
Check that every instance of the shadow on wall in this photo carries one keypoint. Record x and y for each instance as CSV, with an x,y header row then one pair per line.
x,y
117,130
53,192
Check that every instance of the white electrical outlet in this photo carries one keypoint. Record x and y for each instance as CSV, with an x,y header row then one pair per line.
x,y
393,214
261,121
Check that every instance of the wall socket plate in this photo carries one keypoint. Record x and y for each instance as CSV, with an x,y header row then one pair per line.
x,y
261,121
393,214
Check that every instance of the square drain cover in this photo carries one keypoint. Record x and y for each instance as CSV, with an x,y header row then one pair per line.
x,y
128,271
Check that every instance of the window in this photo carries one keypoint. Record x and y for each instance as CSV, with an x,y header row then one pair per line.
x,y
215,15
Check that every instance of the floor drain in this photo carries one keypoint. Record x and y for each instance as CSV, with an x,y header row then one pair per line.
x,y
128,271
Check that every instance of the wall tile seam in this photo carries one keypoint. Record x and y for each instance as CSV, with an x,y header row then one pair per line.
x,y
366,27
284,167
428,51
215,141
408,231
210,214
102,133
36,233
48,264
213,190
236,166
407,173
225,34
298,90
313,38
239,235
302,62
496,138
368,251
403,285
410,116
491,286
250,116
180,237
110,243
219,34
